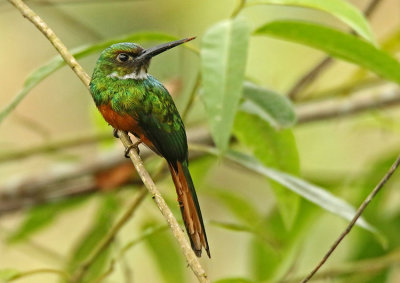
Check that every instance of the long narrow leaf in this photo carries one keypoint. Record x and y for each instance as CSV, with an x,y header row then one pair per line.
x,y
313,193
336,44
341,9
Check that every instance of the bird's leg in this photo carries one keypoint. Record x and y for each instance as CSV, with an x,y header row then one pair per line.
x,y
135,146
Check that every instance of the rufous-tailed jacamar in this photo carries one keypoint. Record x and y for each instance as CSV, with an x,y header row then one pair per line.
x,y
133,101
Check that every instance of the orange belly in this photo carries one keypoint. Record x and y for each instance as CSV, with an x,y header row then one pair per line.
x,y
125,123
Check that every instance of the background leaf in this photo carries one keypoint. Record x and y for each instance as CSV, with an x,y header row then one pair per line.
x,y
42,216
105,216
275,149
242,208
223,63
313,193
337,44
8,274
341,9
166,254
274,108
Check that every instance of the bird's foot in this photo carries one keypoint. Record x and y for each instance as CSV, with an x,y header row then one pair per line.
x,y
115,133
135,146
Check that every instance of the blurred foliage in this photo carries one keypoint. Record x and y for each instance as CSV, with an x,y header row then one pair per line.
x,y
264,213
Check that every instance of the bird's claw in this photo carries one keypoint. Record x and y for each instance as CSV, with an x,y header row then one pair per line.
x,y
135,146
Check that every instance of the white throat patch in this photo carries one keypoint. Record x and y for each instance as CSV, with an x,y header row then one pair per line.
x,y
135,76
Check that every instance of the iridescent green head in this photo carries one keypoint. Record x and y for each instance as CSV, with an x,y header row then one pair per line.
x,y
129,60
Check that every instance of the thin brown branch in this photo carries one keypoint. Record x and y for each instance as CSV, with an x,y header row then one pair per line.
x,y
360,210
310,76
366,266
137,162
165,211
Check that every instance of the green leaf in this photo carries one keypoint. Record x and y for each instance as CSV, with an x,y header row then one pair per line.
x,y
149,231
337,44
341,9
166,254
223,63
41,216
233,226
239,206
57,62
8,274
234,280
312,193
105,216
276,149
272,107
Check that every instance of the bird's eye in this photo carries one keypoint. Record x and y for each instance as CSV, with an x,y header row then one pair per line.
x,y
122,57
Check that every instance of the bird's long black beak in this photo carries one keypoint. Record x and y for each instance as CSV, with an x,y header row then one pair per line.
x,y
155,50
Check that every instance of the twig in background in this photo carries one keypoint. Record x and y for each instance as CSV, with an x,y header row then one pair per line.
x,y
53,146
322,65
191,258
359,211
57,183
341,107
366,267
108,239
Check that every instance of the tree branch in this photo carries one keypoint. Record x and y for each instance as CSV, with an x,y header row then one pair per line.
x,y
137,162
322,65
340,107
360,210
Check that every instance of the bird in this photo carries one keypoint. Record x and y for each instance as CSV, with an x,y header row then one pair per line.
x,y
133,101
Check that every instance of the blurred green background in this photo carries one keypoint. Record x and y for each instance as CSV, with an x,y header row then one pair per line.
x,y
347,156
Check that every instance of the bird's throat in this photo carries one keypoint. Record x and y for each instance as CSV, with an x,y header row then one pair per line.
x,y
140,74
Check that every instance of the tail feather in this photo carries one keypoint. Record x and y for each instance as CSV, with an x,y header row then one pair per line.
x,y
189,206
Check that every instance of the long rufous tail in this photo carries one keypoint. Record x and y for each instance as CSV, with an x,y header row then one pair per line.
x,y
190,208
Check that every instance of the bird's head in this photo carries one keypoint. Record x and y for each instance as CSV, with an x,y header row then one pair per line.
x,y
129,60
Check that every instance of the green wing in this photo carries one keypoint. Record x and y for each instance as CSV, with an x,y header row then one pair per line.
x,y
161,122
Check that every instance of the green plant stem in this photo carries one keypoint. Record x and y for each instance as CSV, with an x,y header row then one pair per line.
x,y
192,96
108,239
238,8
40,271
